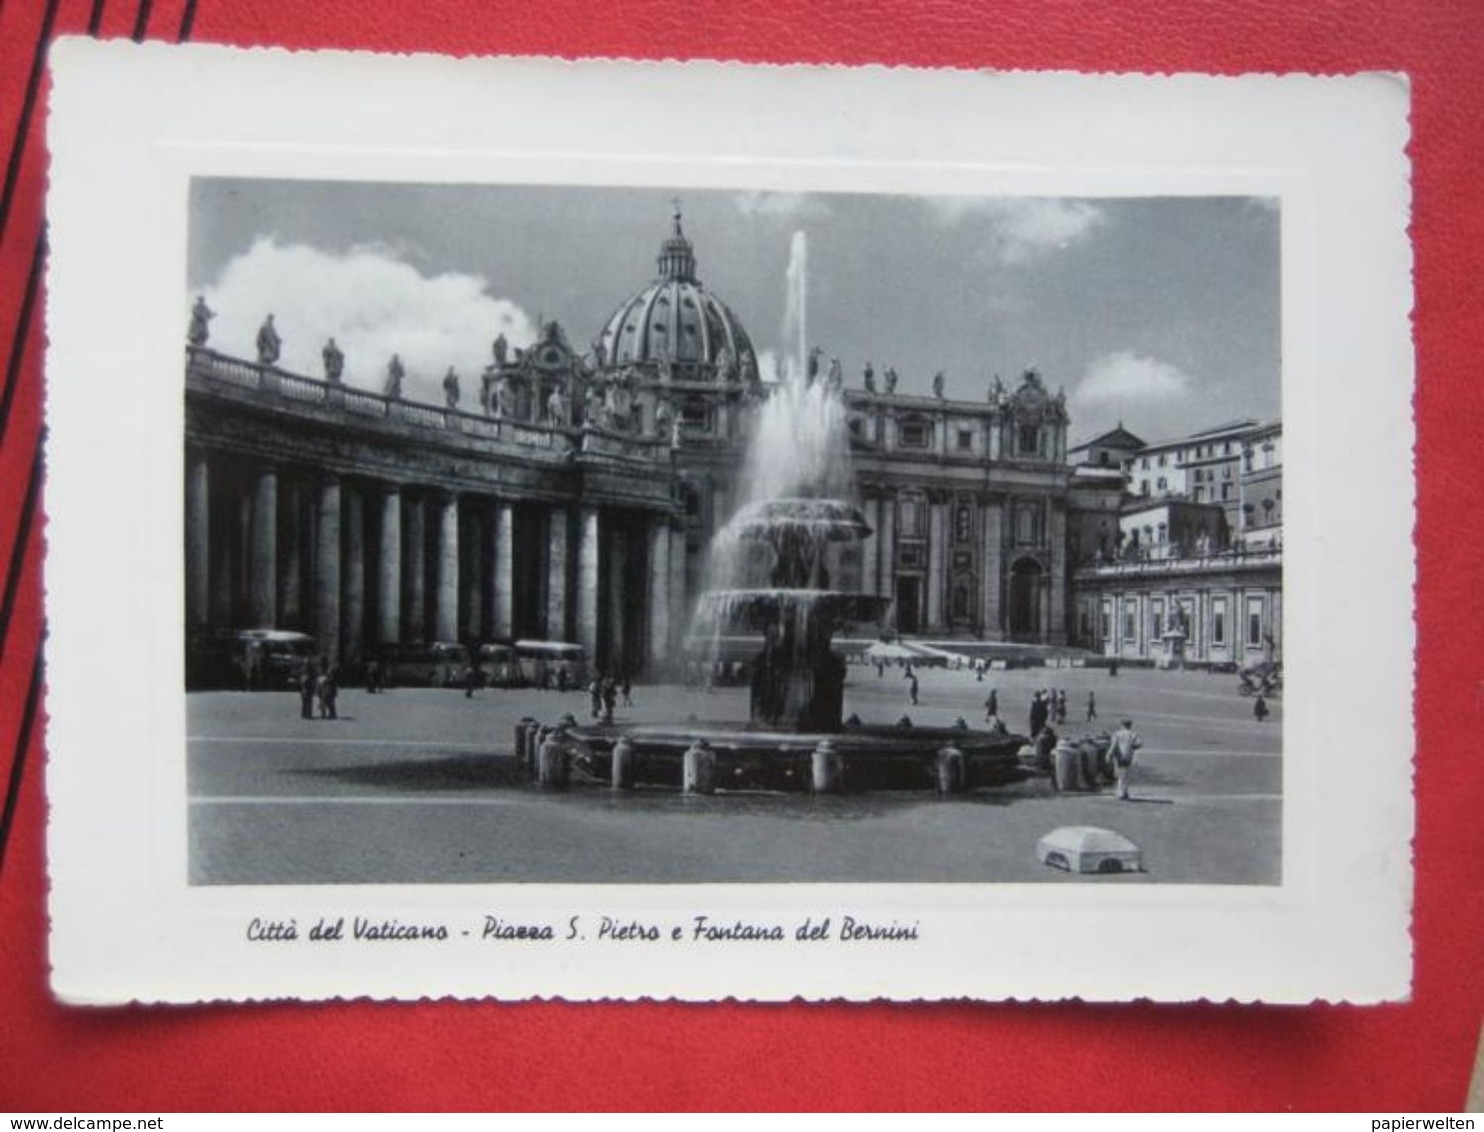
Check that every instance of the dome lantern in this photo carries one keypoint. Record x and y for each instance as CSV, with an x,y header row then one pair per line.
x,y
677,259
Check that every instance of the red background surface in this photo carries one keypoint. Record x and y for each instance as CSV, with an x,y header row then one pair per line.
x,y
554,1055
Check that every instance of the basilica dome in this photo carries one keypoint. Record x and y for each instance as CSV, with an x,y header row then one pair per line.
x,y
676,325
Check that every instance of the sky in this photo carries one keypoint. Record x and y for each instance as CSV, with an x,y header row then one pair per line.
x,y
1159,313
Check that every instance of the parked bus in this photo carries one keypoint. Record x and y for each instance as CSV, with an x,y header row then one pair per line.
x,y
437,664
272,658
499,665
552,664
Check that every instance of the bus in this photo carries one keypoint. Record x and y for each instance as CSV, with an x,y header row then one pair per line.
x,y
552,664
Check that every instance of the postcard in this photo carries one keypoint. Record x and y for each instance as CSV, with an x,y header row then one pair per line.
x,y
600,530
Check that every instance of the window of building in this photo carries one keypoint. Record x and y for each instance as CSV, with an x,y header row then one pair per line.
x,y
1130,626
915,434
1200,494
1144,463
1254,622
1144,487
963,523
1156,618
965,440
1028,440
1226,491
1102,459
695,416
1026,524
1106,625
961,609
1161,532
1164,484
911,557
1161,460
909,516
1218,621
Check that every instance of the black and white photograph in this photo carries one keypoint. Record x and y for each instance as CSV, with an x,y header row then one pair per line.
x,y
725,532
589,534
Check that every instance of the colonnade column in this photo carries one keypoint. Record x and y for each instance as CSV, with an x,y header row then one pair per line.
x,y
502,571
198,540
414,571
327,566
472,542
870,566
993,612
556,575
937,553
389,575
619,598
353,584
678,598
1057,627
587,581
263,557
290,558
659,594
446,598
887,551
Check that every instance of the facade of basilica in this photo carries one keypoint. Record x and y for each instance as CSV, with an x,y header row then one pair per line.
x,y
574,497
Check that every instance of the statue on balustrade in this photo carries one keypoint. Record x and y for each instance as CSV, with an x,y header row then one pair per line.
x,y
592,403
394,375
891,379
501,350
938,385
996,391
201,316
837,374
451,388
811,367
269,344
868,378
503,402
334,362
617,406
663,415
557,411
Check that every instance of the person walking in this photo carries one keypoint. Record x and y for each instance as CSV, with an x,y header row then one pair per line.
x,y
306,693
1092,706
1121,749
626,691
912,685
595,696
991,705
1040,712
1061,706
327,688
1260,709
610,699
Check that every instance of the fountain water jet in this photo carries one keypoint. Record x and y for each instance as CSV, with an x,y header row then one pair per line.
x,y
769,579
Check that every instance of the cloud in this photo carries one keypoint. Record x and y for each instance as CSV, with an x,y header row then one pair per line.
x,y
1128,379
373,303
1021,229
789,205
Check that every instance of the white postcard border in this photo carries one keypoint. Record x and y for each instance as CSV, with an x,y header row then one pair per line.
x,y
130,124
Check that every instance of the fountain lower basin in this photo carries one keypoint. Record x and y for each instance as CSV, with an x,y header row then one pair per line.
x,y
752,757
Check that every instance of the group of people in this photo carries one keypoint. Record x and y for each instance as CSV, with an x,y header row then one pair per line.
x,y
604,693
319,684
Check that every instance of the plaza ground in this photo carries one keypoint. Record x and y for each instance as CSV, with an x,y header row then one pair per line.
x,y
417,785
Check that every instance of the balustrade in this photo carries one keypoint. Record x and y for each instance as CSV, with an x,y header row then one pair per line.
x,y
210,367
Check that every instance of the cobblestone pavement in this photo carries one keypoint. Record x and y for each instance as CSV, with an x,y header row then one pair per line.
x,y
416,785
